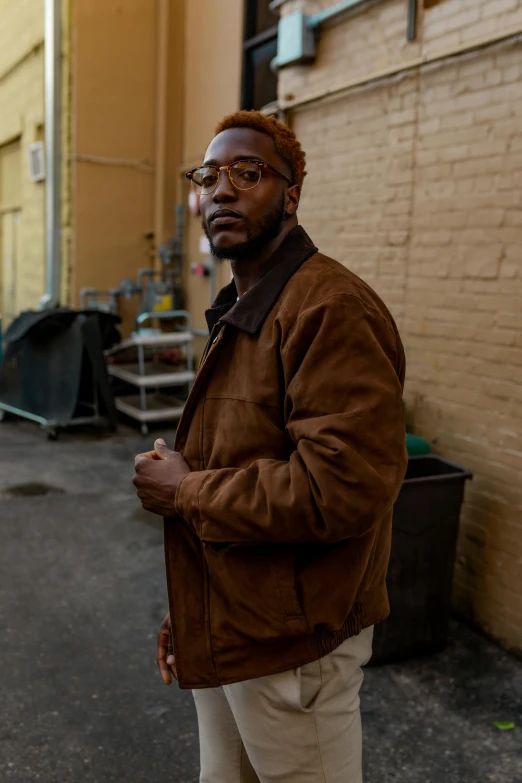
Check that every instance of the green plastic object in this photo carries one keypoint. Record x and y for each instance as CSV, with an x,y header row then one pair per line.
x,y
504,725
416,446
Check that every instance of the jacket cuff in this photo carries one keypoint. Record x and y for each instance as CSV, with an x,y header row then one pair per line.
x,y
187,499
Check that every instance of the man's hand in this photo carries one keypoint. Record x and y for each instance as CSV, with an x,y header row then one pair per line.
x,y
157,476
165,653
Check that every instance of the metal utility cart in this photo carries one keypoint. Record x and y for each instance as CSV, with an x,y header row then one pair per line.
x,y
139,361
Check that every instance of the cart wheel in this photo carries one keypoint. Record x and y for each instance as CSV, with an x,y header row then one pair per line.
x,y
52,434
144,429
2,415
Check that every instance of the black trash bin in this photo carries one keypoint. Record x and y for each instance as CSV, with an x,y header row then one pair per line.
x,y
420,574
54,372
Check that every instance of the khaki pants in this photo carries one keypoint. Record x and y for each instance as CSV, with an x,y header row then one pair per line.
x,y
302,726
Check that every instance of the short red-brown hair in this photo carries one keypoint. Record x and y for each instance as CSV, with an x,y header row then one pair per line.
x,y
285,142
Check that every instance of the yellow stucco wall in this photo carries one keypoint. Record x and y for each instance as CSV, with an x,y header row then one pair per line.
x,y
213,51
113,140
109,132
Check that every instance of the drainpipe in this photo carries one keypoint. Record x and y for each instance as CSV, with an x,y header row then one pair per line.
x,y
52,153
161,125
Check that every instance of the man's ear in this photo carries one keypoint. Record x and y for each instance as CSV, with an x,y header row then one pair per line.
x,y
293,194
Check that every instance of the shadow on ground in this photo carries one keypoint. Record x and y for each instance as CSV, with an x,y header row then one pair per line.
x,y
81,594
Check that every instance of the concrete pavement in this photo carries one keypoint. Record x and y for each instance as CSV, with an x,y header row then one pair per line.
x,y
81,594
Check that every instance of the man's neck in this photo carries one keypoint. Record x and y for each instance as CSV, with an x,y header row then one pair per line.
x,y
249,270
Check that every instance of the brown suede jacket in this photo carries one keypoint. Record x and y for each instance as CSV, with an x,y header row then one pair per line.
x,y
294,432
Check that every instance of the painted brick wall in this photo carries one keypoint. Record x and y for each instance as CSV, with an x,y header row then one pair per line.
x,y
355,45
416,184
455,22
463,315
21,29
22,116
372,38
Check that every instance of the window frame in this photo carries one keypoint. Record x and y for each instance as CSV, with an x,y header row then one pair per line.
x,y
251,42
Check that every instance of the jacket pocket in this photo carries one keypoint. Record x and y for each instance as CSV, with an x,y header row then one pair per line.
x,y
310,683
252,596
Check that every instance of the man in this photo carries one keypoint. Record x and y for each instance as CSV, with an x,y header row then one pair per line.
x,y
278,496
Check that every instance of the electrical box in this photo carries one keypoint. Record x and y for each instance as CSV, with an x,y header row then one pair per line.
x,y
295,40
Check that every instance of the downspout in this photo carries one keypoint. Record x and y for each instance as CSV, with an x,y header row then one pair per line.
x,y
52,55
161,126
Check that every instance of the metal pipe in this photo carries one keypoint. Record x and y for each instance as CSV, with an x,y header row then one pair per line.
x,y
316,20
52,153
275,4
513,36
411,30
161,125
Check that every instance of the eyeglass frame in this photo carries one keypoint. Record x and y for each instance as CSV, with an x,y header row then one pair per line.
x,y
261,164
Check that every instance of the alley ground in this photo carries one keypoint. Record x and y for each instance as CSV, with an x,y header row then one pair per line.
x,y
81,595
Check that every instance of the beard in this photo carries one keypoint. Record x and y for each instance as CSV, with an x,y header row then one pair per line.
x,y
267,230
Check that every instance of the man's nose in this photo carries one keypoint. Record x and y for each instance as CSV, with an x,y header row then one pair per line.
x,y
224,191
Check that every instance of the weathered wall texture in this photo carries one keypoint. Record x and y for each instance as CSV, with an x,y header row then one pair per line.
x,y
21,122
415,183
213,50
110,122
114,83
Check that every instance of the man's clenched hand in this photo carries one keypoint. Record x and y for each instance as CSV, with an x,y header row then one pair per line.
x,y
157,476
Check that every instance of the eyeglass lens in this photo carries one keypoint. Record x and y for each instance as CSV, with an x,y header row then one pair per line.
x,y
243,174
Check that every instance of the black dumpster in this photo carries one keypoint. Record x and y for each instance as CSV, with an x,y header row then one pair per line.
x,y
420,574
53,371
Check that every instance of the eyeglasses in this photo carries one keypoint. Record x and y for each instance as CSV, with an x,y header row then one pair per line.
x,y
243,174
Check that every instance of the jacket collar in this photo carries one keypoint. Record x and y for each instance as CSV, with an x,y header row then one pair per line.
x,y
250,312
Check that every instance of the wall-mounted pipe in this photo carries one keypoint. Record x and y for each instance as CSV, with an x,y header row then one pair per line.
x,y
297,32
161,125
316,20
52,87
512,37
329,14
411,29
275,4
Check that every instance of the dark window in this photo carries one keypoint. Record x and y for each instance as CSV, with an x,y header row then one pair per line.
x,y
260,48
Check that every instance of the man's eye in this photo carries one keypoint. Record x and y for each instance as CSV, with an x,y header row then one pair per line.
x,y
208,179
249,175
